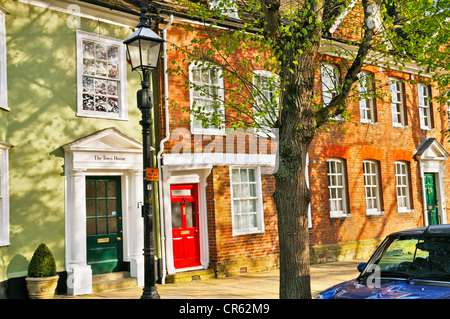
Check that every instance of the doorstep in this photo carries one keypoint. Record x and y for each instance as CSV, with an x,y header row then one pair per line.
x,y
188,276
113,280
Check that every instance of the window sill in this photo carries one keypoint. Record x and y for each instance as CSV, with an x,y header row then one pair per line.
x,y
374,213
339,215
368,122
406,211
4,243
247,232
208,131
103,116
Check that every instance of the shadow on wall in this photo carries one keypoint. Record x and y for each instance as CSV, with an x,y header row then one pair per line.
x,y
16,287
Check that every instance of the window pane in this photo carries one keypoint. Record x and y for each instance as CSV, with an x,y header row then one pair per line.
x,y
252,190
101,226
251,175
371,186
176,215
190,216
90,189
336,186
243,174
90,227
112,207
90,207
112,187
206,92
101,189
101,61
112,225
244,199
101,207
237,191
252,205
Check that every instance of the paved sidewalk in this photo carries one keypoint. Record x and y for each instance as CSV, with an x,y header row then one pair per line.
x,y
262,285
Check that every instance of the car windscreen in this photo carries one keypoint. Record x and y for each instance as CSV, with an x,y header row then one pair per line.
x,y
423,257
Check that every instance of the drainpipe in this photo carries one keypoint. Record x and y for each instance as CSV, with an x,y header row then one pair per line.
x,y
161,149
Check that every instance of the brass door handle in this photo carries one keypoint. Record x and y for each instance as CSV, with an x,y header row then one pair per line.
x,y
119,239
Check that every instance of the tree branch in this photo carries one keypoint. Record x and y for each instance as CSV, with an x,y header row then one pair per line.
x,y
339,102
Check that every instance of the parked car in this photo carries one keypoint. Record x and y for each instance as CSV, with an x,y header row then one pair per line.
x,y
410,264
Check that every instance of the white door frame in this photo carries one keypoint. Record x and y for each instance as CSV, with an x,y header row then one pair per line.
x,y
182,174
105,153
431,156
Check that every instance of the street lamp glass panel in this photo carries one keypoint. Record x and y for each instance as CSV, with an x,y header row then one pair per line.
x,y
150,53
134,54
144,48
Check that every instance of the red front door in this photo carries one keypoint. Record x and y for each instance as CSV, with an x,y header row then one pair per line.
x,y
186,244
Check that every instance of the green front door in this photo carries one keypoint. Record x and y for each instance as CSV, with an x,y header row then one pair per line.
x,y
104,224
432,208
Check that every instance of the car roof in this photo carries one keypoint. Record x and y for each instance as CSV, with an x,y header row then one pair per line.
x,y
443,229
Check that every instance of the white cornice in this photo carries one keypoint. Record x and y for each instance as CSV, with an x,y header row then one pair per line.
x,y
342,50
88,11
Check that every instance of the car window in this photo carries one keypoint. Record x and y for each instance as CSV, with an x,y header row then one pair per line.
x,y
421,256
400,251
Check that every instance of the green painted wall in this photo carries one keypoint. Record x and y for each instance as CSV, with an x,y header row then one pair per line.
x,y
41,53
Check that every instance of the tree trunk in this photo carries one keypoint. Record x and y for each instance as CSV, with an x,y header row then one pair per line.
x,y
292,198
292,195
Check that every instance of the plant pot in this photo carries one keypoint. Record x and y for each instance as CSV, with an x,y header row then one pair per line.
x,y
41,287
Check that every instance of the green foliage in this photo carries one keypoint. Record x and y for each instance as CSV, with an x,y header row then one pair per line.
x,y
281,36
42,263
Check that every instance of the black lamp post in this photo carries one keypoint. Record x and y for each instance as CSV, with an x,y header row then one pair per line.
x,y
143,52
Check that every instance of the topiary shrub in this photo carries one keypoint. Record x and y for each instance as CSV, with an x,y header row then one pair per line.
x,y
42,263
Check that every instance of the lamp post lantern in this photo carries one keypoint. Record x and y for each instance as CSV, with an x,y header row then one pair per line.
x,y
143,52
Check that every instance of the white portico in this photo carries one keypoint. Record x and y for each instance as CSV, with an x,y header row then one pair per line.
x,y
107,153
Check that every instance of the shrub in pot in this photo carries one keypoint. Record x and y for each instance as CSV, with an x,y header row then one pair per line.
x,y
42,277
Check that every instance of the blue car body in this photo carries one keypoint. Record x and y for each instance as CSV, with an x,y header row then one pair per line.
x,y
389,289
403,280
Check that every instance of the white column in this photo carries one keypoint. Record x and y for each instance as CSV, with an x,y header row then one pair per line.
x,y
136,234
79,273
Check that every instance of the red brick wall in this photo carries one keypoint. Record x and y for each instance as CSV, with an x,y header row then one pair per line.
x,y
381,141
242,253
352,141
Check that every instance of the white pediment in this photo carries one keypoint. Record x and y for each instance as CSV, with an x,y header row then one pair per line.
x,y
431,149
109,149
110,139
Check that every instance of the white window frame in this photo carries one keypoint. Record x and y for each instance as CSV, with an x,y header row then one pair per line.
x,y
423,92
264,91
397,103
4,194
372,187
122,80
257,196
402,186
366,101
3,66
337,189
220,98
329,74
